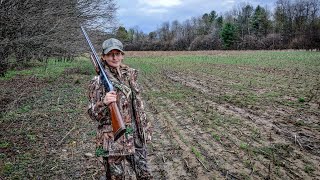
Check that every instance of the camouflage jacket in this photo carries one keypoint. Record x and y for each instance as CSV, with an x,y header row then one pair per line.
x,y
130,106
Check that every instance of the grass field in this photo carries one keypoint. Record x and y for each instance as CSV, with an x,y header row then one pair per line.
x,y
215,115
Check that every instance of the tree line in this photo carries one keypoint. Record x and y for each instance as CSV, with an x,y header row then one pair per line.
x,y
290,25
39,29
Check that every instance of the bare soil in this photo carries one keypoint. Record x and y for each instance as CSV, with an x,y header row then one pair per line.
x,y
234,142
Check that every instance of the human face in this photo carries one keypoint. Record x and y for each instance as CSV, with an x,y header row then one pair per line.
x,y
113,58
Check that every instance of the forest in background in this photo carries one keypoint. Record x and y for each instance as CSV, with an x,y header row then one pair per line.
x,y
42,29
291,24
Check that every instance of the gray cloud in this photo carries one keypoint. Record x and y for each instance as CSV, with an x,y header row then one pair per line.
x,y
148,15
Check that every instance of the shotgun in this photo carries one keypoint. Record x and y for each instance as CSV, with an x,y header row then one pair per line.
x,y
118,126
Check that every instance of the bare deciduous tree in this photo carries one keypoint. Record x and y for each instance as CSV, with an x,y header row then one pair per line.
x,y
40,29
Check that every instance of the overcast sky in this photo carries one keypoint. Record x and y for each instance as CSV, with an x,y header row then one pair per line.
x,y
150,14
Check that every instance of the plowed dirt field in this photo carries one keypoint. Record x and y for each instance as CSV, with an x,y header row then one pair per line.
x,y
215,115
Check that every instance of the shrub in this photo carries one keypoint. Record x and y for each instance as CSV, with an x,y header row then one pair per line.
x,y
207,42
273,41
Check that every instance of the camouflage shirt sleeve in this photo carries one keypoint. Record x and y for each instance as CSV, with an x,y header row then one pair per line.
x,y
96,108
139,106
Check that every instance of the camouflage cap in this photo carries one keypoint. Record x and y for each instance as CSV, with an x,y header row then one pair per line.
x,y
111,44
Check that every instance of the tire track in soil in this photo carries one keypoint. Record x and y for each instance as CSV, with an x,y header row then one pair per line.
x,y
205,147
195,139
264,165
259,122
168,122
260,118
229,153
219,159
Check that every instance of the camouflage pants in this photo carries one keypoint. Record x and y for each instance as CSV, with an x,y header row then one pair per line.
x,y
133,166
128,167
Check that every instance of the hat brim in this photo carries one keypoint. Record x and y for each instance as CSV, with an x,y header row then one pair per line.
x,y
112,48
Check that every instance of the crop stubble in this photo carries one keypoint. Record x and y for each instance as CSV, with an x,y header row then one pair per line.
x,y
235,118
215,114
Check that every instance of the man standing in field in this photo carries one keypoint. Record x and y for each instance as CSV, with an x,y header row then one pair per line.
x,y
125,158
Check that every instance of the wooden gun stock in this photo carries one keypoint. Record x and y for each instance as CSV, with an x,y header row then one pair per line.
x,y
116,120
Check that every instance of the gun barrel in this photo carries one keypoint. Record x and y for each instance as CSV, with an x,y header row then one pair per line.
x,y
95,56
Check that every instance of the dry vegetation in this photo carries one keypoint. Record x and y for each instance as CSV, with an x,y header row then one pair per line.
x,y
233,115
216,115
